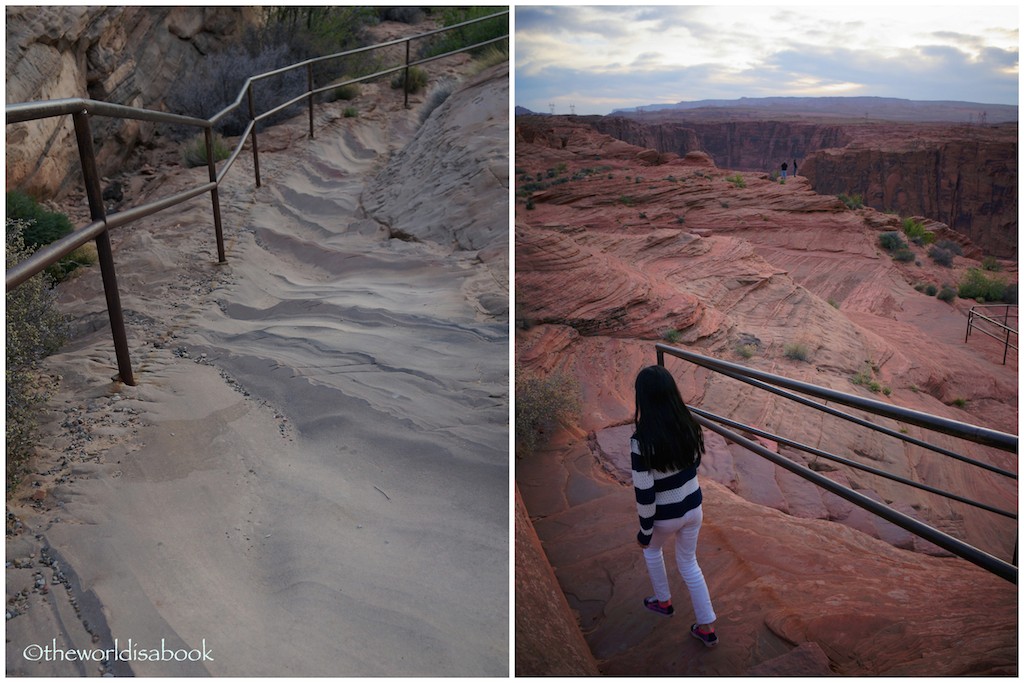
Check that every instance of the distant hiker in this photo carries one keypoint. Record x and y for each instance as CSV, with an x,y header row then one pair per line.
x,y
784,170
665,451
794,168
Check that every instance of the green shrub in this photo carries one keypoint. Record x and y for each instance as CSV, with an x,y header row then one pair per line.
x,y
468,35
539,401
796,351
737,180
627,200
931,290
346,92
194,152
852,201
529,204
947,294
39,225
903,255
960,402
350,112
417,79
990,263
915,232
891,241
35,329
950,246
671,335
941,256
976,284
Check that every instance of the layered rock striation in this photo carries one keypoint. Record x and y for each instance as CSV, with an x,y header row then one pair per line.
x,y
122,55
959,174
616,251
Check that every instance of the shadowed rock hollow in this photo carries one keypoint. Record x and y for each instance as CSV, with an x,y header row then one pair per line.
x,y
619,247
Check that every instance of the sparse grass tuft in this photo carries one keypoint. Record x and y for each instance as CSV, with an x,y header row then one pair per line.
x,y
746,350
854,201
194,152
915,232
417,79
796,351
737,180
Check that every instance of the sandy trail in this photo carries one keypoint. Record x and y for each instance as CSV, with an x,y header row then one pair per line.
x,y
312,475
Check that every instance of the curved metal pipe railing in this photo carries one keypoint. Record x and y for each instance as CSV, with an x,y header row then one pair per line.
x,y
82,109
1003,328
771,382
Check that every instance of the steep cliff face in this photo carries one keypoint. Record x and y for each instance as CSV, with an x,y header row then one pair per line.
x,y
969,184
764,145
963,176
123,55
665,137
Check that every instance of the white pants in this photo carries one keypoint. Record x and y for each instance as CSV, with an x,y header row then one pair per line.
x,y
685,530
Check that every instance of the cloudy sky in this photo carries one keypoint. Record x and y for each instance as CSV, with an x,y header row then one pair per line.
x,y
592,59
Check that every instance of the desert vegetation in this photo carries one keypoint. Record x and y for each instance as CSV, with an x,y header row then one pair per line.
x,y
35,329
916,233
37,226
854,201
539,402
194,153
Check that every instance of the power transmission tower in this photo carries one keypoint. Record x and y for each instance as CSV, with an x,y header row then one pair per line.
x,y
552,107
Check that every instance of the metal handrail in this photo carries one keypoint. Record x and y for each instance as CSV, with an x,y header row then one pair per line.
x,y
975,314
1007,442
81,109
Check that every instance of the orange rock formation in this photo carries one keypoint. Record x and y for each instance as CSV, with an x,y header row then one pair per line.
x,y
617,248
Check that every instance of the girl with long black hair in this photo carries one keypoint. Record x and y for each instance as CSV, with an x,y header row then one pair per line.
x,y
666,449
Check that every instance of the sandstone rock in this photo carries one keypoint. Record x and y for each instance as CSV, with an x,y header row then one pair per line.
x,y
806,659
963,176
610,262
122,55
545,627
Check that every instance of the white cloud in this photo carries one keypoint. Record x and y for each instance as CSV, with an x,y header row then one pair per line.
x,y
657,53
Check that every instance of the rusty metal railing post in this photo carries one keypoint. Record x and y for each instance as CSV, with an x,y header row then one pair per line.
x,y
309,75
211,164
255,147
83,134
406,86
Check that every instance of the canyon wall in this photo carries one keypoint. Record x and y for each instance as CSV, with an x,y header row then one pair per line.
x,y
963,176
124,55
969,184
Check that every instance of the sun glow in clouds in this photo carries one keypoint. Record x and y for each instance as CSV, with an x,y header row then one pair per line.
x,y
663,54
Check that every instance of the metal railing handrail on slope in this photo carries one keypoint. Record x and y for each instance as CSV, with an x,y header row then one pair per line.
x,y
975,314
81,110
981,435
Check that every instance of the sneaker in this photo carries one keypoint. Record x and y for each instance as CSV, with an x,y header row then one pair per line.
x,y
652,603
709,639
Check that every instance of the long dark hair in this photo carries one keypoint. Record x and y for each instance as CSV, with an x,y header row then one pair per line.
x,y
669,437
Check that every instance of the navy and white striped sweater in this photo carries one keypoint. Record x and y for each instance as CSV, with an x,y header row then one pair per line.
x,y
661,495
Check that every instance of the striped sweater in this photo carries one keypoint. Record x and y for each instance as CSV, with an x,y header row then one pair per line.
x,y
661,495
